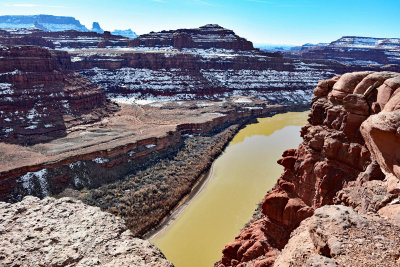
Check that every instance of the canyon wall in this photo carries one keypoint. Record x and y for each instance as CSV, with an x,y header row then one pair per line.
x,y
40,99
349,156
202,74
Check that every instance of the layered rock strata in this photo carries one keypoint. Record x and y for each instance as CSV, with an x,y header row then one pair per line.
x,y
209,62
40,99
202,74
349,156
65,232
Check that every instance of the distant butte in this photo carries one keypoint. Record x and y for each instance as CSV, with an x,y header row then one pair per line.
x,y
205,37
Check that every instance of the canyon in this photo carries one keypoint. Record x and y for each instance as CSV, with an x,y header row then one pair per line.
x,y
132,125
339,189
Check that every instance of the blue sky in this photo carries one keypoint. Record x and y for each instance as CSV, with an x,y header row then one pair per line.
x,y
260,21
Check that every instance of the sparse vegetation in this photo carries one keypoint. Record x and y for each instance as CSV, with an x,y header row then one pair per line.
x,y
143,199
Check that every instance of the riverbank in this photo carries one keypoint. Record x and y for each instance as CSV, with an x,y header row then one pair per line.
x,y
180,207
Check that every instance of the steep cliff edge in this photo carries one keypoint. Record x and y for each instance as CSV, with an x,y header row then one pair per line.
x,y
349,156
65,232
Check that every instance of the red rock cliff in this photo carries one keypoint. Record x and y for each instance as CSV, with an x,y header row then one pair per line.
x,y
350,151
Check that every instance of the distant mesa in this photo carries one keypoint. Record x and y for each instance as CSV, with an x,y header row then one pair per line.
x,y
355,50
43,22
125,33
205,37
49,23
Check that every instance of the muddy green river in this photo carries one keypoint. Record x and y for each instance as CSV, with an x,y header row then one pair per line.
x,y
238,180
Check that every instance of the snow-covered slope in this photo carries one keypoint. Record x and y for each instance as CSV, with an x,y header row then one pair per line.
x,y
47,22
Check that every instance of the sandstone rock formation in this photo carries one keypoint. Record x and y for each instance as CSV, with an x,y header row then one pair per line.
x,y
41,99
65,232
349,156
338,236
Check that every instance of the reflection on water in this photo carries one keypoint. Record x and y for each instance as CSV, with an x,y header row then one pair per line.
x,y
239,179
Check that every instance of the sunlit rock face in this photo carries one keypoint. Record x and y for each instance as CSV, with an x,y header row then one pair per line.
x,y
349,156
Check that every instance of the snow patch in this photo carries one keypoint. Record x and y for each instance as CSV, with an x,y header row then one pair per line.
x,y
100,160
28,181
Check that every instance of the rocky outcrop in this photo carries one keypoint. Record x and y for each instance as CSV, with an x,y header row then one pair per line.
x,y
65,232
339,236
349,156
40,99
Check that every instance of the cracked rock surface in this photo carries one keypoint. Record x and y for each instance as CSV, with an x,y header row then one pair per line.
x,y
66,232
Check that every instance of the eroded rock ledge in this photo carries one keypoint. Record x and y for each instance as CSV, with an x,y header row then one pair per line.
x,y
65,232
349,156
